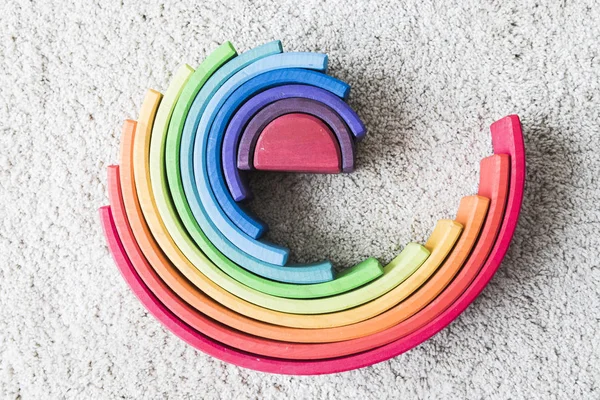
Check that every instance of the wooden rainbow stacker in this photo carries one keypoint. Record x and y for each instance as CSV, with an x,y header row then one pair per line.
x,y
180,235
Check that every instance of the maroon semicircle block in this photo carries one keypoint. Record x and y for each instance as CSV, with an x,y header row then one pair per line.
x,y
297,142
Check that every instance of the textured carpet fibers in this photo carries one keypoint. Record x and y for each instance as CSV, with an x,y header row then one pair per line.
x,y
428,78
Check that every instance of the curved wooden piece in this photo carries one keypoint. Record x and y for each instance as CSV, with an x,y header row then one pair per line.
x,y
235,180
278,108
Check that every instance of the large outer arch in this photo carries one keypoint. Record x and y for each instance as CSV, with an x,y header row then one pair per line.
x,y
507,139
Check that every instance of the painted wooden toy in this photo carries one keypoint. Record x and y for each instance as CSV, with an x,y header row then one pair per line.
x,y
193,254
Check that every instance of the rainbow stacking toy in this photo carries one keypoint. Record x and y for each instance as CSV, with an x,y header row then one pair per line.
x,y
194,257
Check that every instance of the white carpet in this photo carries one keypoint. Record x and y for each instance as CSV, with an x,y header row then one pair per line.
x,y
428,78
